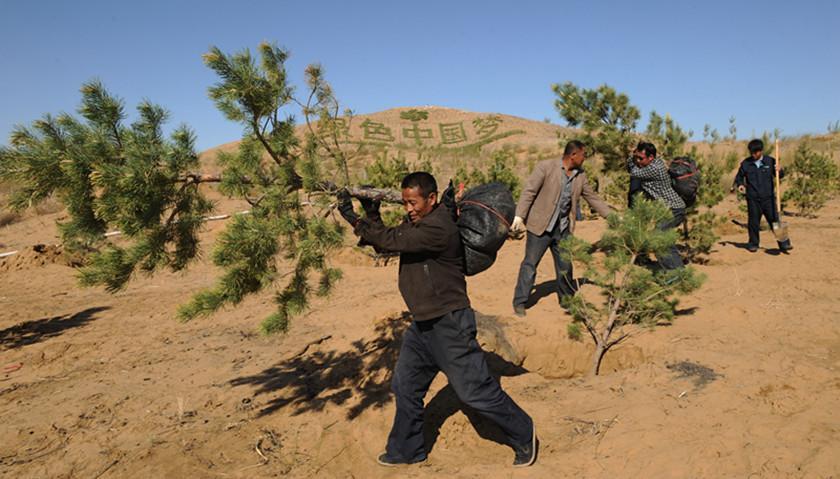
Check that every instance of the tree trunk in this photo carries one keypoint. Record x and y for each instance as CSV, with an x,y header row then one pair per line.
x,y
384,194
600,349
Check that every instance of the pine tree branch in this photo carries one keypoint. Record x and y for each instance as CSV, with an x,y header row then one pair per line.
x,y
616,304
336,153
116,132
274,156
175,210
617,340
591,330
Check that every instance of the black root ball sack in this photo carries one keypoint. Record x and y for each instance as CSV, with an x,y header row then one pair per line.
x,y
484,218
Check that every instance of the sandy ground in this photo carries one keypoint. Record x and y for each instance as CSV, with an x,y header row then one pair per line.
x,y
744,383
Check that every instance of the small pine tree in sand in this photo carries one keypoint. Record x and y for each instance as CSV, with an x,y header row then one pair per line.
x,y
607,118
667,135
812,180
699,234
500,169
633,297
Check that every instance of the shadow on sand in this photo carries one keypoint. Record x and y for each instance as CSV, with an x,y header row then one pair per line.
x,y
361,379
37,330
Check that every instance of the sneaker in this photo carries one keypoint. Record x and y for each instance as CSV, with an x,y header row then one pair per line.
x,y
519,310
526,455
386,460
752,249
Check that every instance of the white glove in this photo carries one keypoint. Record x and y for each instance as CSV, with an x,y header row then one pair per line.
x,y
518,225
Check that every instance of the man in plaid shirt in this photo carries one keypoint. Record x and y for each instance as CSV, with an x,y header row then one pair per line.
x,y
651,171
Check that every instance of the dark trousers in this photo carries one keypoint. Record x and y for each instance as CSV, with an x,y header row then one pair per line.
x,y
535,247
672,259
448,344
756,208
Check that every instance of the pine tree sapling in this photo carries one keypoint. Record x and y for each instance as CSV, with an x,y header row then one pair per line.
x,y
606,117
702,235
131,177
499,170
385,171
701,222
633,296
812,180
667,135
615,188
733,129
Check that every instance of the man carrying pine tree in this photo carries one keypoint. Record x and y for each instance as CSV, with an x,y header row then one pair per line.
x,y
756,178
652,177
442,336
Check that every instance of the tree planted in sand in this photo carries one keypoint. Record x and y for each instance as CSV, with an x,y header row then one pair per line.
x,y
634,297
699,236
607,118
813,180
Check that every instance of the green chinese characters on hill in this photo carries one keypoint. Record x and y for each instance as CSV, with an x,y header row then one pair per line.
x,y
415,131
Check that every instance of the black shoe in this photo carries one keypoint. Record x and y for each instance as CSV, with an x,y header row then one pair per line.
x,y
519,310
526,455
752,249
390,461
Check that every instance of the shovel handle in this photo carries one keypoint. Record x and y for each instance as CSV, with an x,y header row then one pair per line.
x,y
778,166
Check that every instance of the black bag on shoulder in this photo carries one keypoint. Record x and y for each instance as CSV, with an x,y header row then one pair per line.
x,y
484,217
685,178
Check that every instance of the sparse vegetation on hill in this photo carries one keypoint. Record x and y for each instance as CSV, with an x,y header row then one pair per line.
x,y
500,169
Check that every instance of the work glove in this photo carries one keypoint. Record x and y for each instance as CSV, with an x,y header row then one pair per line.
x,y
371,208
345,207
448,196
447,199
517,228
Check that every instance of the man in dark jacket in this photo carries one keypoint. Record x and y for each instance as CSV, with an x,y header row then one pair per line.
x,y
442,336
756,179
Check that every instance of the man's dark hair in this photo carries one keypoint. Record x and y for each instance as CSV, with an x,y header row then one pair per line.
x,y
647,148
755,145
573,146
421,180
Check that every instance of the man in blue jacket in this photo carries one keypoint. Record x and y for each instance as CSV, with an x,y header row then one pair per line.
x,y
442,335
756,179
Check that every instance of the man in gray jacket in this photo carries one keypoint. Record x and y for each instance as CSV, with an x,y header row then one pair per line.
x,y
547,205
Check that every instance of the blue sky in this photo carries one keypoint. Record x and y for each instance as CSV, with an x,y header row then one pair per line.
x,y
771,64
